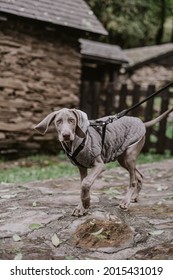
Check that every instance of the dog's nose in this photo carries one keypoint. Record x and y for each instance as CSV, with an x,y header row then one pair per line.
x,y
66,136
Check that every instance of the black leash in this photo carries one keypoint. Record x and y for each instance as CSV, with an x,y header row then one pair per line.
x,y
126,111
103,124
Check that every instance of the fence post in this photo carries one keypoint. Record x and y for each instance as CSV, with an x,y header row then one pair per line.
x,y
135,99
161,140
95,100
85,97
148,116
109,103
89,101
123,95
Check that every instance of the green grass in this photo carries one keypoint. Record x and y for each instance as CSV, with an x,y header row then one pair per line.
x,y
35,168
26,174
48,167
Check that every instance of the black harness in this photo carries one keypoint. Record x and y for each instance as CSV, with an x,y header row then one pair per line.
x,y
96,124
72,156
99,123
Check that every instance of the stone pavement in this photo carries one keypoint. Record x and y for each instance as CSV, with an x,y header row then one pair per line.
x,y
36,221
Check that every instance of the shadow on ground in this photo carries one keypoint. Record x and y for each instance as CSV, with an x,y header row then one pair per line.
x,y
36,221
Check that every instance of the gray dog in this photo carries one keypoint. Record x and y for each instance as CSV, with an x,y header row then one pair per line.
x,y
84,144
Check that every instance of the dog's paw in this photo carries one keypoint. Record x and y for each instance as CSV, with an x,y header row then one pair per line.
x,y
124,205
79,211
134,199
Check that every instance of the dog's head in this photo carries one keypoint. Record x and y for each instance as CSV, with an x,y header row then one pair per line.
x,y
68,123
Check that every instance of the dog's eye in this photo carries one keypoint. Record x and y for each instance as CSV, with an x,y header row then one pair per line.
x,y
59,121
71,120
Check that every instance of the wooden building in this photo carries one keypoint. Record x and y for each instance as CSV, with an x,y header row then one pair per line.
x,y
101,65
40,67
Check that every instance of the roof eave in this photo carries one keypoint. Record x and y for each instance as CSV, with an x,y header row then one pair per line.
x,y
82,29
102,59
132,66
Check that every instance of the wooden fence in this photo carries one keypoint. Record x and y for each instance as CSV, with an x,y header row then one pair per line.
x,y
99,100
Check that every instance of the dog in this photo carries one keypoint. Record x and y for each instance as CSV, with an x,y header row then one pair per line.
x,y
84,144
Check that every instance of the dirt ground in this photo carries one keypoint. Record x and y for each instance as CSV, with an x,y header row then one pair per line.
x,y
36,221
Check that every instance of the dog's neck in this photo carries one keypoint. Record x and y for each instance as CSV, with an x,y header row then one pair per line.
x,y
69,144
72,145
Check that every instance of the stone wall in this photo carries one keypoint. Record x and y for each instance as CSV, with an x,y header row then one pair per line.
x,y
39,73
151,74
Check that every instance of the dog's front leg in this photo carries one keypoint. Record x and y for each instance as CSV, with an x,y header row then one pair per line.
x,y
86,183
80,210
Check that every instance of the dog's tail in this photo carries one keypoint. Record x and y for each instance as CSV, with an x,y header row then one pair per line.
x,y
158,119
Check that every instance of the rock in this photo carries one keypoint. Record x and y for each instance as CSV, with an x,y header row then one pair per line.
x,y
15,127
2,135
12,83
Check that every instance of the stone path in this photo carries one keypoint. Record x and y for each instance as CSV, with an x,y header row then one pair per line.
x,y
36,221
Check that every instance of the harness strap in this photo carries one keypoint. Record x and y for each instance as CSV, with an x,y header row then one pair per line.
x,y
103,124
72,156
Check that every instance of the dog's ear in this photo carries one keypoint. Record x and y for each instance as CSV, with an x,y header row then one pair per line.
x,y
43,126
82,123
